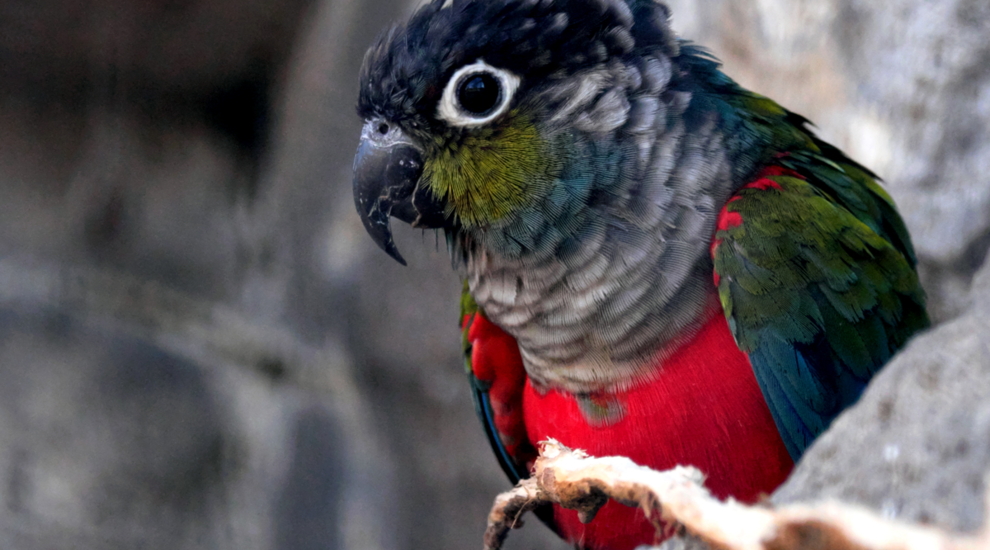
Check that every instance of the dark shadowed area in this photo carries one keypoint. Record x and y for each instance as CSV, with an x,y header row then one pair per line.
x,y
200,347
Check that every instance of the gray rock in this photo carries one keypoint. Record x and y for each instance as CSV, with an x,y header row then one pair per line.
x,y
134,416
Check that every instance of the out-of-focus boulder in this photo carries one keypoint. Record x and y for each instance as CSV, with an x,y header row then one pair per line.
x,y
132,415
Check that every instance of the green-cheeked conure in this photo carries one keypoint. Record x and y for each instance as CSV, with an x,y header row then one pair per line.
x,y
659,263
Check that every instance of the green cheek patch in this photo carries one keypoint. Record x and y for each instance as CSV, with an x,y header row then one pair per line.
x,y
491,173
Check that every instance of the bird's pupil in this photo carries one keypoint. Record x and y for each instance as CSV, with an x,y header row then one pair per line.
x,y
479,93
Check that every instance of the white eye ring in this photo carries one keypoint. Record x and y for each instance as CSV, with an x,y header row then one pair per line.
x,y
450,108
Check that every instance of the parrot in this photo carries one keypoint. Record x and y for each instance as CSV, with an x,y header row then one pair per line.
x,y
658,263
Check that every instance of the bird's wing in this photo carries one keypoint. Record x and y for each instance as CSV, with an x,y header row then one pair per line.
x,y
815,273
495,370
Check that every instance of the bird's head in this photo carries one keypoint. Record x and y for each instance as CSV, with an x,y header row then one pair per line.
x,y
499,120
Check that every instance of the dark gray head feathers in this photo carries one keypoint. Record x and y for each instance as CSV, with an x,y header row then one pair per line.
x,y
540,40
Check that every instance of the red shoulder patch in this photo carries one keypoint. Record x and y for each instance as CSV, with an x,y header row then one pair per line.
x,y
728,219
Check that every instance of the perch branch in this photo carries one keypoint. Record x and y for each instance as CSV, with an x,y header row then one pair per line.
x,y
678,497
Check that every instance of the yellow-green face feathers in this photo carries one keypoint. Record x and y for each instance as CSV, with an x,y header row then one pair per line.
x,y
491,172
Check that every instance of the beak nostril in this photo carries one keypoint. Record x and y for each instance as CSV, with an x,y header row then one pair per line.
x,y
383,128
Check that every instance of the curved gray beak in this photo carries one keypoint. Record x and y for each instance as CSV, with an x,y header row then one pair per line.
x,y
387,170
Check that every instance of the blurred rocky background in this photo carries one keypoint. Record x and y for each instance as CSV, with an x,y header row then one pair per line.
x,y
200,347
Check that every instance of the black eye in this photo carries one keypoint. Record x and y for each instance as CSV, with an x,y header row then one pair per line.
x,y
479,93
476,94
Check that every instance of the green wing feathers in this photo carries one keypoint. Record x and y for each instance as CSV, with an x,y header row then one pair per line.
x,y
815,273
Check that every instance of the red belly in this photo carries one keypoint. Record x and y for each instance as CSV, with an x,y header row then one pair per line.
x,y
703,408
